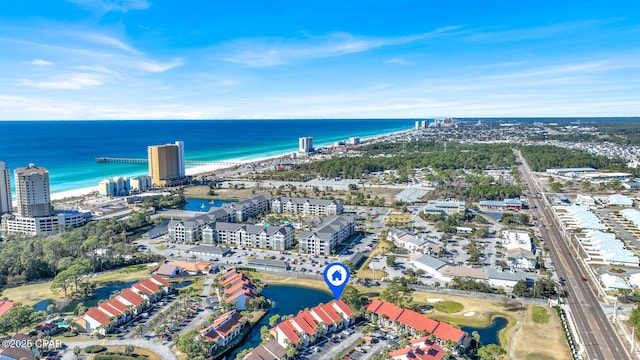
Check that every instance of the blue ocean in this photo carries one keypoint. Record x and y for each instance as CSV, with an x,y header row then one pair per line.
x,y
68,149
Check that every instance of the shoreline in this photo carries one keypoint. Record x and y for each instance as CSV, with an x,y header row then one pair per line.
x,y
204,170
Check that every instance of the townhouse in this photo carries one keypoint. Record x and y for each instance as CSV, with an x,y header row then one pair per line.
x,y
392,316
238,288
304,328
419,349
224,329
120,309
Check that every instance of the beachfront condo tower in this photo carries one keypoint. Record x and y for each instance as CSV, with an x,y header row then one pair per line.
x,y
166,164
306,144
5,189
32,190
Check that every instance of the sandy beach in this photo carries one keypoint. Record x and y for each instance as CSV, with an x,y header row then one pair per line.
x,y
212,168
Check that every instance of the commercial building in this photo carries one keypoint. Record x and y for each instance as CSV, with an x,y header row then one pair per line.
x,y
305,144
43,225
32,189
504,205
284,204
5,189
330,233
444,207
166,164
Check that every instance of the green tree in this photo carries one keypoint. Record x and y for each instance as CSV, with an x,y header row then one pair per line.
x,y
128,349
274,320
391,260
491,352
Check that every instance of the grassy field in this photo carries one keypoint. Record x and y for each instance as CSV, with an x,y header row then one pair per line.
x,y
381,248
540,315
202,192
34,293
541,341
448,306
137,350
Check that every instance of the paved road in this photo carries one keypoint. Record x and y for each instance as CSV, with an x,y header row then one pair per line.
x,y
596,333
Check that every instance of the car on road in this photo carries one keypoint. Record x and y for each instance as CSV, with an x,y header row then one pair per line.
x,y
583,278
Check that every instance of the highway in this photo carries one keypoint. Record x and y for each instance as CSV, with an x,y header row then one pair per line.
x,y
596,333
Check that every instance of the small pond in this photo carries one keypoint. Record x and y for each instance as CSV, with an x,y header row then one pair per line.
x,y
181,284
286,300
489,334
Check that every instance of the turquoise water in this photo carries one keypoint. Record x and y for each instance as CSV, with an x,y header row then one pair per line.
x,y
68,149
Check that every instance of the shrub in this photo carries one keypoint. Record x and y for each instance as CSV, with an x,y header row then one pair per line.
x,y
92,349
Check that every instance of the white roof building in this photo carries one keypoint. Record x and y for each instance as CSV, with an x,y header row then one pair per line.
x,y
614,283
607,249
580,217
619,200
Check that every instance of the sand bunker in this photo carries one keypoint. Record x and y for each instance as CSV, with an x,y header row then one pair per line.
x,y
470,313
434,300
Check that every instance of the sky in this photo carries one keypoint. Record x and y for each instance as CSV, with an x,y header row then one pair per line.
x,y
257,59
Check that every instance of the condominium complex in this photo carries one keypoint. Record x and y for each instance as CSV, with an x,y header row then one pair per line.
x,y
32,189
330,233
284,204
5,189
35,214
119,186
305,144
166,164
278,238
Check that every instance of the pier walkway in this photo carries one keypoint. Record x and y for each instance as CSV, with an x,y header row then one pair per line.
x,y
103,160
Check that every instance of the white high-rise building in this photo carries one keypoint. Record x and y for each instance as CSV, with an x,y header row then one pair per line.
x,y
306,144
5,189
32,190
181,167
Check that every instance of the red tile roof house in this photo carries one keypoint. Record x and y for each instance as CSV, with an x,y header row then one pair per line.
x,y
223,330
390,315
148,290
133,299
238,288
5,306
307,325
419,349
94,321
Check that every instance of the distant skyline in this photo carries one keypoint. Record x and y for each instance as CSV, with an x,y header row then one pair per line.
x,y
201,59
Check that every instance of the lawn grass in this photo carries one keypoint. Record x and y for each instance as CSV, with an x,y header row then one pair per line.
x,y
381,248
33,293
448,306
540,315
541,340
161,247
137,350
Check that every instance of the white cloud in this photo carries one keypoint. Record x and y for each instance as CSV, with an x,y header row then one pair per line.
x,y
105,6
110,41
398,61
74,81
156,67
278,51
40,62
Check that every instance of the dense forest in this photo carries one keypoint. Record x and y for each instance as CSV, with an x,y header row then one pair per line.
x,y
103,245
403,157
541,158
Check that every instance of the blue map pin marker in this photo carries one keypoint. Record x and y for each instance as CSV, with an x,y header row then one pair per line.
x,y
336,275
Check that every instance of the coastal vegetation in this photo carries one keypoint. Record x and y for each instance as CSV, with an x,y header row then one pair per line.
x,y
543,157
402,157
